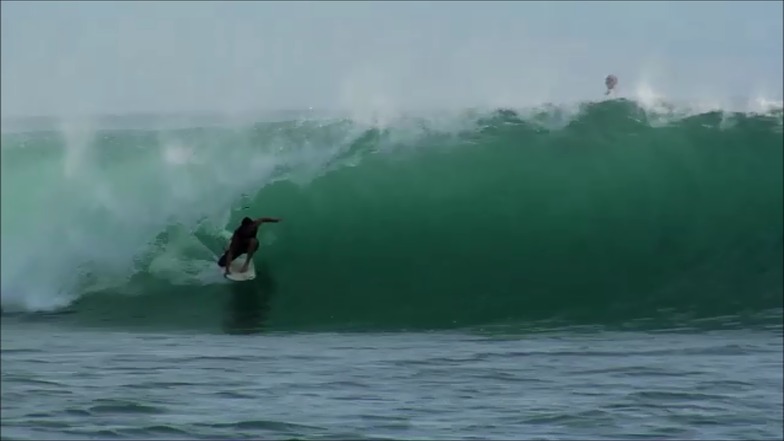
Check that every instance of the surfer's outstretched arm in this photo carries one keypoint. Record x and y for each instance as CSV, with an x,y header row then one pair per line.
x,y
265,220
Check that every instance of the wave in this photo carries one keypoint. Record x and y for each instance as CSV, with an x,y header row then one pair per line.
x,y
608,211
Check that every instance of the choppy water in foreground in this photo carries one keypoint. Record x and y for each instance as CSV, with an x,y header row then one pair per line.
x,y
500,384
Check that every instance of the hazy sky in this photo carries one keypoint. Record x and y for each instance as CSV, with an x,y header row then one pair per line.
x,y
63,58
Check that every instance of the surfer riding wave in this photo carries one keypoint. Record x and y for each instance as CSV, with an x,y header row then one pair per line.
x,y
244,241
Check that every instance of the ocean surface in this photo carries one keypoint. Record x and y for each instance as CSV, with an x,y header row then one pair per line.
x,y
607,270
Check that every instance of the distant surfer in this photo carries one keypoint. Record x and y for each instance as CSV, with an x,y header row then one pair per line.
x,y
244,241
611,81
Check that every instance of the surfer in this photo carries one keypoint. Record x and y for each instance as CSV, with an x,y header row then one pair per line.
x,y
244,241
611,81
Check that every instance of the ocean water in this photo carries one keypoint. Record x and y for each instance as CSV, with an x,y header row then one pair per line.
x,y
606,270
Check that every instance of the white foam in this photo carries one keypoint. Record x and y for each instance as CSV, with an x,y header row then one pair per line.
x,y
88,227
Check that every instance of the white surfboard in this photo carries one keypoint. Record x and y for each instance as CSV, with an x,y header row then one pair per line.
x,y
235,266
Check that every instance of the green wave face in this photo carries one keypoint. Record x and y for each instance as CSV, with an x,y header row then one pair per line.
x,y
502,217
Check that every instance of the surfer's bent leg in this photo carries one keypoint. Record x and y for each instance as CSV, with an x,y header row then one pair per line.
x,y
253,245
224,259
227,258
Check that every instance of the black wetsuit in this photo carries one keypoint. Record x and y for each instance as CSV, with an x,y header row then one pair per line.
x,y
241,242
